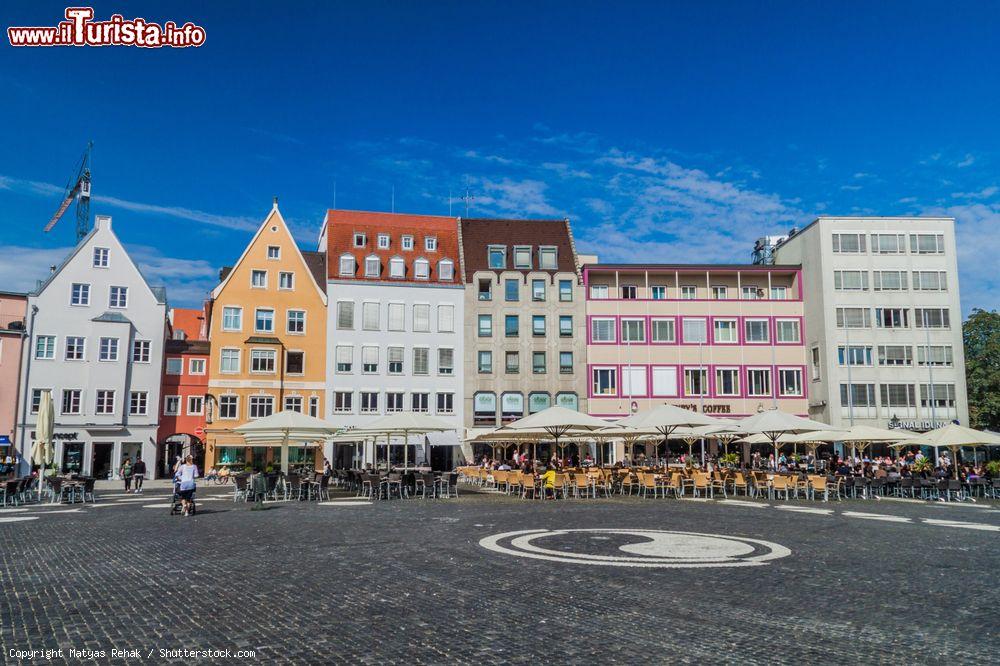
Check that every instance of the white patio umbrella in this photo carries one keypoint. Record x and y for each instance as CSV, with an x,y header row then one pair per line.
x,y
284,426
405,424
41,452
558,421
774,423
954,437
665,419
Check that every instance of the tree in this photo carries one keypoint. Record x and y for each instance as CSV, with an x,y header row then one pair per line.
x,y
981,335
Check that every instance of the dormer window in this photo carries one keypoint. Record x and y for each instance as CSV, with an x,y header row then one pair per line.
x,y
446,270
548,258
407,242
372,266
431,243
101,257
347,265
522,257
421,269
273,252
498,257
383,241
397,268
360,239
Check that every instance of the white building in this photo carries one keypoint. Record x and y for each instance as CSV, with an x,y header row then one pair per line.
x,y
883,321
395,301
96,336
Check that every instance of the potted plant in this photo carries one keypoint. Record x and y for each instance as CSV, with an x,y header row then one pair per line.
x,y
730,460
922,466
993,468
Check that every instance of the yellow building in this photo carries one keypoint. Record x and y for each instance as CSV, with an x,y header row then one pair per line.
x,y
267,329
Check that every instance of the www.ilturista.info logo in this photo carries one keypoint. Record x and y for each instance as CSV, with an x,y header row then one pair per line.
x,y
79,29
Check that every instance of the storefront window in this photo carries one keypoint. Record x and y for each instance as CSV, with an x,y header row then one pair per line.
x,y
231,455
72,462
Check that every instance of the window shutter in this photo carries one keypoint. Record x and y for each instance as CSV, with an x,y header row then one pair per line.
x,y
345,314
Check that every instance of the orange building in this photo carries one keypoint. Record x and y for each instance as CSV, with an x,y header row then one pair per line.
x,y
267,328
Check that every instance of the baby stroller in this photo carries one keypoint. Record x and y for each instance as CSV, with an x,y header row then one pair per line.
x,y
176,505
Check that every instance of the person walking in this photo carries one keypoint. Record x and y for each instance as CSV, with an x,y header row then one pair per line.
x,y
187,472
126,473
138,474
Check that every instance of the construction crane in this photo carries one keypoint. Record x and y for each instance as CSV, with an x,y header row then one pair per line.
x,y
79,189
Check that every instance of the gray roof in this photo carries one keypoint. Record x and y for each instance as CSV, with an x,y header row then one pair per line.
x,y
113,317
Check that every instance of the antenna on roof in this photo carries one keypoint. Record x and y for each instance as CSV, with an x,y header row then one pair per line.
x,y
468,198
335,194
449,202
393,198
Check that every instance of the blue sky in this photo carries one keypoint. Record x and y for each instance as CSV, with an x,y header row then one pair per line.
x,y
664,131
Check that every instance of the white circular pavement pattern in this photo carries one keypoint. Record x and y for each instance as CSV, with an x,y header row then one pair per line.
x,y
647,549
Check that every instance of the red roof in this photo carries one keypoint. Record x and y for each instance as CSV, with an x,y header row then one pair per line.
x,y
342,225
190,321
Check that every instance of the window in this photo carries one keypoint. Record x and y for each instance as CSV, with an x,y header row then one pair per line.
x,y
261,406
512,362
849,243
262,360
538,365
430,243
232,318
695,330
565,291
927,243
759,382
140,351
538,402
345,315
79,294
293,403
565,363
930,281
406,242
937,395
484,409
118,297
485,290
633,330
633,380
724,331
663,331
446,361
565,326
602,330
286,280
70,402
45,347
851,281
295,362
779,293
695,381
105,402
890,280
395,360
931,318
421,269
599,292
854,318
229,406
720,293
373,266
343,402
538,290
383,241
196,366
629,292
787,331
756,331
751,293
939,355
446,319
229,361
892,317
548,258
397,268
369,402
689,292
445,403
510,290
421,361
485,326
857,395
497,257
36,400
369,360
344,359
419,401
897,395
814,363
854,355
511,326
258,279
360,239
446,270
659,292
511,406
397,315
101,255
522,257
422,317
369,316
175,366
895,355
295,321
196,405
273,252
172,405
347,266
485,362
263,320
789,382
393,402
605,381
75,346
538,325
727,381
108,349
888,243
568,400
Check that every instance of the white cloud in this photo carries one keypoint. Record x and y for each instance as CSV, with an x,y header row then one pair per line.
x,y
977,231
984,193
969,160
23,266
516,197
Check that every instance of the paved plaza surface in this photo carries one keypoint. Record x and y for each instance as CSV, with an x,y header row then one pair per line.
x,y
446,581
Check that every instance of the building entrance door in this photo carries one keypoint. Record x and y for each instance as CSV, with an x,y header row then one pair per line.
x,y
100,464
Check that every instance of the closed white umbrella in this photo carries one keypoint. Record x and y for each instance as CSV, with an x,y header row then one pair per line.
x,y
45,424
283,426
